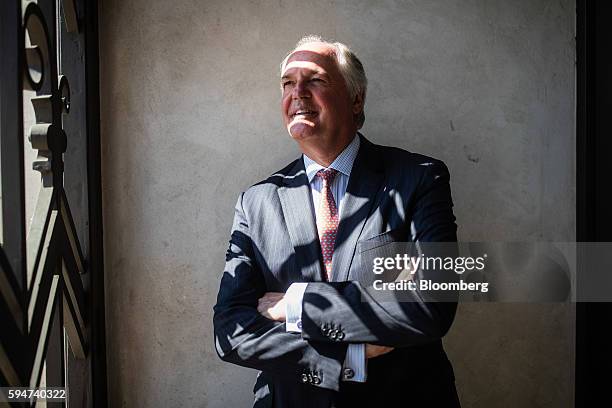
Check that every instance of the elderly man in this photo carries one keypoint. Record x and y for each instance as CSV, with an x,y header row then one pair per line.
x,y
292,302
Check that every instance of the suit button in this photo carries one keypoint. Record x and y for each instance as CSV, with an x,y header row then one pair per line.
x,y
304,378
299,324
349,373
309,378
340,336
316,380
333,334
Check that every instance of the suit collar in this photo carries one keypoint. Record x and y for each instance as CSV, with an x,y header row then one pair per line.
x,y
359,199
362,194
296,203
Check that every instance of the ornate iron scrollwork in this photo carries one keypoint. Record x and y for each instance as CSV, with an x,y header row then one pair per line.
x,y
47,135
53,253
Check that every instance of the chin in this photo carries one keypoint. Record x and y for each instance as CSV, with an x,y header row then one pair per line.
x,y
301,131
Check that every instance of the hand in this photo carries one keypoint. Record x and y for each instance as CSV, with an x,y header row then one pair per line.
x,y
272,306
375,351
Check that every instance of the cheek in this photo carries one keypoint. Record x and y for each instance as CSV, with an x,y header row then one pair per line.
x,y
285,103
328,101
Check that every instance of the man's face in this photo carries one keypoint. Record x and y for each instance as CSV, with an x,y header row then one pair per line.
x,y
316,102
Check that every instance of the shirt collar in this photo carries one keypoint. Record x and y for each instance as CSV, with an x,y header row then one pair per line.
x,y
343,163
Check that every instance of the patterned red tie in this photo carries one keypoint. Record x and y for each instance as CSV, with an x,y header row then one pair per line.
x,y
327,219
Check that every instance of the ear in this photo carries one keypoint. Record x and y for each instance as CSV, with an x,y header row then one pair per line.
x,y
358,103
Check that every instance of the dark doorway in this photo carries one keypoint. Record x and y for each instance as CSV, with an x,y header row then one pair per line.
x,y
594,200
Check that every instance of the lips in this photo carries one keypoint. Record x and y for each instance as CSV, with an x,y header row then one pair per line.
x,y
304,112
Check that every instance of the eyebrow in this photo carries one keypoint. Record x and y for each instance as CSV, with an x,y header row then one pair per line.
x,y
315,73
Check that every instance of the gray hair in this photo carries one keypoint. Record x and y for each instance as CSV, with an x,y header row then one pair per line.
x,y
349,66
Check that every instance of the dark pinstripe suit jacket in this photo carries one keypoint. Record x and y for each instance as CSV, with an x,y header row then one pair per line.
x,y
392,195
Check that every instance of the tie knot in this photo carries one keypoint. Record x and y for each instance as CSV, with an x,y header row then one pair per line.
x,y
327,175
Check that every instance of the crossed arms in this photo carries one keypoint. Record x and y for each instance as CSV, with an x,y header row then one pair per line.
x,y
245,336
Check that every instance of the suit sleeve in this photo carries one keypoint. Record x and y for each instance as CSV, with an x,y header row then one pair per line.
x,y
244,337
345,312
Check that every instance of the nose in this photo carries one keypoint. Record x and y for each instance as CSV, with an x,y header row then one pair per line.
x,y
300,90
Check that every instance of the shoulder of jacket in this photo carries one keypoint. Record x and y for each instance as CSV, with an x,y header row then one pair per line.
x,y
274,181
395,157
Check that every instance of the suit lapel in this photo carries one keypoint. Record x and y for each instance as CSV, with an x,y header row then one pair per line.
x,y
361,194
298,213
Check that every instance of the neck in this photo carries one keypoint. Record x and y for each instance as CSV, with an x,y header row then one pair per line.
x,y
323,154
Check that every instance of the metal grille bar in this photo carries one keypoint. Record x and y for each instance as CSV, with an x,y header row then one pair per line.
x,y
42,296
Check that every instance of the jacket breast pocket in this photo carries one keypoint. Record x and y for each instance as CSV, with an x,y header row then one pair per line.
x,y
388,237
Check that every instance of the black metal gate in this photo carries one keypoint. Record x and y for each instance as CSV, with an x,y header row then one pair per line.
x,y
51,276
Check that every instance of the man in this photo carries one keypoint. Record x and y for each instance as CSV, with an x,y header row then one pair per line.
x,y
292,302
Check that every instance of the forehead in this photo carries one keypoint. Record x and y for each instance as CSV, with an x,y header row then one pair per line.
x,y
316,57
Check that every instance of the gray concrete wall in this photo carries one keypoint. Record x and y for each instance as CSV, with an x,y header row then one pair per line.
x,y
190,117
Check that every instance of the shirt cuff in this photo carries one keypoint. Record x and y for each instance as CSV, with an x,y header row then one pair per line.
x,y
293,306
354,368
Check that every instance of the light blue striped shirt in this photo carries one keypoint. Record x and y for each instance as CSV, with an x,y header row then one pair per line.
x,y
355,356
344,164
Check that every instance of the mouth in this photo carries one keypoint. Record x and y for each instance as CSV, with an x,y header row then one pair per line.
x,y
303,113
